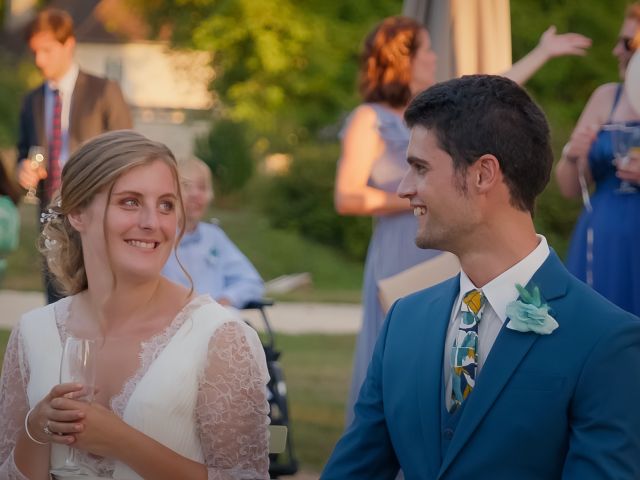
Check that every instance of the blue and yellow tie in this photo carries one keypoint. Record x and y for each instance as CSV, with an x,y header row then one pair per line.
x,y
464,353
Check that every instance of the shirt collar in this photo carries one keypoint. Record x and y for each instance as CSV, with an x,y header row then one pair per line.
x,y
501,291
67,83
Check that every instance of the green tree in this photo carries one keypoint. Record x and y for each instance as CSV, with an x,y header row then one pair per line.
x,y
227,149
15,79
286,67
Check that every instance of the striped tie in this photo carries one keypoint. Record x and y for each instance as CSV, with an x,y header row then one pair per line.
x,y
55,147
464,353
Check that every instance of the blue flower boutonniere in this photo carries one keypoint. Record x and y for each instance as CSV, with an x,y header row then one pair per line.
x,y
529,314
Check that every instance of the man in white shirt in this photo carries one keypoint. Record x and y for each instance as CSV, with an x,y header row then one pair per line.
x,y
512,369
69,107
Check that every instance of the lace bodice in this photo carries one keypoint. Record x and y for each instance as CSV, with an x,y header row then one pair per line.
x,y
231,407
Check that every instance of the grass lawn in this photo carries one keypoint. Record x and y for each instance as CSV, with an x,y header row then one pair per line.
x,y
317,369
336,278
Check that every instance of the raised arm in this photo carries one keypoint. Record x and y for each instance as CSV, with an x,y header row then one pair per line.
x,y
550,45
361,145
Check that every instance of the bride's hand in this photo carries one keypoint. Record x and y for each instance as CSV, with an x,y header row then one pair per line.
x,y
51,421
102,430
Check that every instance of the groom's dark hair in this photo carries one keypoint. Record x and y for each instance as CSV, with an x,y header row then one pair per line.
x,y
486,114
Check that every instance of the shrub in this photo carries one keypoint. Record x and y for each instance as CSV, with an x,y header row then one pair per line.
x,y
302,200
227,151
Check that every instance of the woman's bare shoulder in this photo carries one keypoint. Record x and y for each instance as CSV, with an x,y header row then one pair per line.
x,y
605,94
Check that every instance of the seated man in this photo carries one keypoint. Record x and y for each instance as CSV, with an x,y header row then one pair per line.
x,y
215,264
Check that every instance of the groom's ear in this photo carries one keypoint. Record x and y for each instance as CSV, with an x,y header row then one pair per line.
x,y
486,173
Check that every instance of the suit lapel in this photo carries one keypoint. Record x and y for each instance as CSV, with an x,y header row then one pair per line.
x,y
507,353
38,117
429,385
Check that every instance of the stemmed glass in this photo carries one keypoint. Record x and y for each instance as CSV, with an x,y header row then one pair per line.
x,y
623,139
78,365
36,160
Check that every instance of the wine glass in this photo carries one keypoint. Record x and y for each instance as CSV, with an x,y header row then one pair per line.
x,y
78,365
36,160
623,138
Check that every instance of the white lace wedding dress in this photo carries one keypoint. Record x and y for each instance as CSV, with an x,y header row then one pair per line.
x,y
199,389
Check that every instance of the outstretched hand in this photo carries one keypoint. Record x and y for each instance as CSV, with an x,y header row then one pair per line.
x,y
556,45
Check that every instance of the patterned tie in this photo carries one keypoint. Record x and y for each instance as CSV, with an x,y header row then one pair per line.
x,y
464,353
55,147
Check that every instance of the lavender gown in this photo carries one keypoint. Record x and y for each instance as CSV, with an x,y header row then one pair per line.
x,y
392,248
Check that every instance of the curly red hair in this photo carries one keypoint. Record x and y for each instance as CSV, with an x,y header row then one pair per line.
x,y
385,62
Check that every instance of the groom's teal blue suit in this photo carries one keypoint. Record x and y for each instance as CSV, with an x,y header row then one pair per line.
x,y
564,405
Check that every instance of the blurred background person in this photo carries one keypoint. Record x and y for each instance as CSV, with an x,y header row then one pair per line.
x,y
9,217
603,250
215,264
70,106
396,63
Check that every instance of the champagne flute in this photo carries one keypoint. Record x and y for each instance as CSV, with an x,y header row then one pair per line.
x,y
622,140
78,365
36,160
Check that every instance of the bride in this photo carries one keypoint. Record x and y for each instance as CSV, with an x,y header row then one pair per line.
x,y
180,384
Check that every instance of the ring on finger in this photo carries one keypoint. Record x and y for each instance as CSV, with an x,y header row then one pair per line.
x,y
46,429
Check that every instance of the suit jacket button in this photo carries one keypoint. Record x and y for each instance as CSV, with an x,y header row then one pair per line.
x,y
448,434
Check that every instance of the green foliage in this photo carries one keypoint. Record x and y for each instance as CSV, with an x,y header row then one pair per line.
x,y
286,67
15,79
227,151
317,385
302,200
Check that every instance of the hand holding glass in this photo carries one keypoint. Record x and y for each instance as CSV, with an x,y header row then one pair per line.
x,y
35,162
623,139
78,365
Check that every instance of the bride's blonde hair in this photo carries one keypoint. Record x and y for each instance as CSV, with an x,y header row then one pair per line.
x,y
94,167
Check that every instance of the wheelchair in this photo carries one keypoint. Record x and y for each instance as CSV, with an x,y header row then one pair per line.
x,y
284,463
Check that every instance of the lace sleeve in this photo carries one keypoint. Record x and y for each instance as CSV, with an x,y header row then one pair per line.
x,y
13,405
232,408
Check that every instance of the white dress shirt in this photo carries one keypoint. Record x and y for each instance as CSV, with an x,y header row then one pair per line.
x,y
499,292
65,89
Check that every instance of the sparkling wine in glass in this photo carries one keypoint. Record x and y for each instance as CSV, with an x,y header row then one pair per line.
x,y
78,365
35,161
623,139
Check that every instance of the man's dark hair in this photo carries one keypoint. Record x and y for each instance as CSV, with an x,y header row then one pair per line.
x,y
487,114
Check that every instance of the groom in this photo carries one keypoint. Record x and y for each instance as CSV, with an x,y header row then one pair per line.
x,y
477,378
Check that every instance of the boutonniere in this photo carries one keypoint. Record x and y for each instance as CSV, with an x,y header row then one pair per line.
x,y
529,314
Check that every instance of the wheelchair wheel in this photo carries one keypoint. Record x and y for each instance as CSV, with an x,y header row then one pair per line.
x,y
283,463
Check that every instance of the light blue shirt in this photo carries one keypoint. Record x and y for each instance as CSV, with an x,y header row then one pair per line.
x,y
216,266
